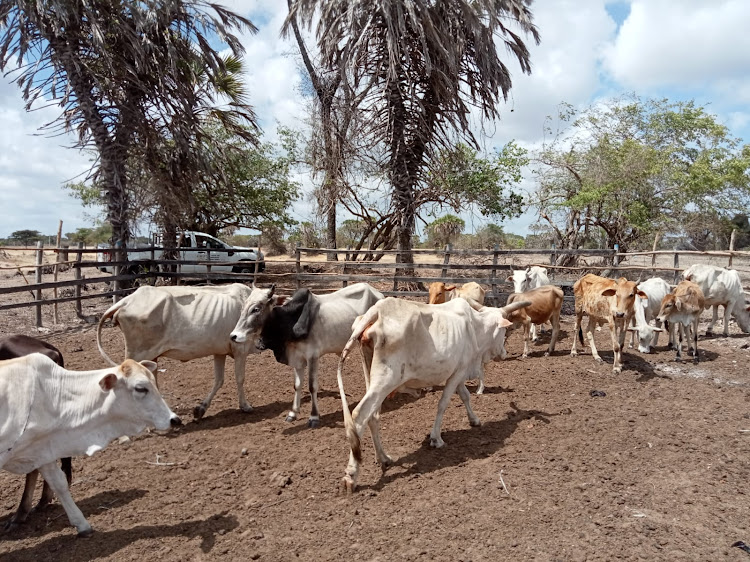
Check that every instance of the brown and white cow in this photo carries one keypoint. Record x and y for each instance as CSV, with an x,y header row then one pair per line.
x,y
50,412
184,323
605,301
12,347
720,287
440,292
546,303
417,345
526,279
682,308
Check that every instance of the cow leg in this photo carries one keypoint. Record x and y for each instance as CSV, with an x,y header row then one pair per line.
x,y
374,424
695,340
47,494
54,475
714,318
555,332
655,339
534,336
450,388
463,392
312,383
526,334
299,378
618,342
592,345
680,330
727,308
27,498
480,390
239,374
200,409
576,330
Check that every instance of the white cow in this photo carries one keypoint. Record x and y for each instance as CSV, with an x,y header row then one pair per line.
x,y
526,279
184,323
646,310
720,287
416,345
50,412
303,329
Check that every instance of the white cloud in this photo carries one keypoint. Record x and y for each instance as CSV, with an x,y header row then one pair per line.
x,y
681,43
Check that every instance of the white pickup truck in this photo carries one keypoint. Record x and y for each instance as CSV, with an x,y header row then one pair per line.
x,y
196,247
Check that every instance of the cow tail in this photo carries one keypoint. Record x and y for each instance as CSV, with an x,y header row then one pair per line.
x,y
360,324
108,314
580,335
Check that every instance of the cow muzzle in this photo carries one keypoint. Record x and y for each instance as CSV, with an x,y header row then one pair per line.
x,y
237,338
175,421
619,315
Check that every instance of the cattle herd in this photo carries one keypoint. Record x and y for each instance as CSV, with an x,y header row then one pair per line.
x,y
54,413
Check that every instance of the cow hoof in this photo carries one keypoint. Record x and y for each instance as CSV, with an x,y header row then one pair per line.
x,y
348,485
480,390
573,353
436,443
599,359
617,370
709,333
86,533
246,409
475,423
313,423
546,354
198,412
290,418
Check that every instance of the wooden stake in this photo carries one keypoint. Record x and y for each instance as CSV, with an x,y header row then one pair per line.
x,y
54,271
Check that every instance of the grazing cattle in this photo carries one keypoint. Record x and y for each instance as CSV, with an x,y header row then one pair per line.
x,y
720,287
302,330
646,310
684,307
184,323
50,412
12,347
526,279
416,345
546,303
440,293
605,300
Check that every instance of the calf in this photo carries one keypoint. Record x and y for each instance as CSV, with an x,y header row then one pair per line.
x,y
440,293
302,330
50,412
184,323
605,300
684,307
417,345
12,347
720,287
645,310
526,279
546,303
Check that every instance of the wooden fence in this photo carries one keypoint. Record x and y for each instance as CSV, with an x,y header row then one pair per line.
x,y
487,267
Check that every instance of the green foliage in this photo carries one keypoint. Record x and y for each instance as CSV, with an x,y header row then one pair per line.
x,y
633,167
25,237
307,235
444,230
350,232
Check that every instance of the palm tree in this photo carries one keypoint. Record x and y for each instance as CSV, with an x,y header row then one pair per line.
x,y
428,64
123,72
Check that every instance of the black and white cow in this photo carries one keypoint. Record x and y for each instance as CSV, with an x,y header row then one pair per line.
x,y
302,329
12,347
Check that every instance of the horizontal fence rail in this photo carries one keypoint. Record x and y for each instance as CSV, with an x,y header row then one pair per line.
x,y
450,266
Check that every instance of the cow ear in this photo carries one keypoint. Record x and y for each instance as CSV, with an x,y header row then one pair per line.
x,y
643,295
504,322
108,382
150,365
280,300
678,304
271,290
301,328
632,329
609,292
509,279
450,288
659,330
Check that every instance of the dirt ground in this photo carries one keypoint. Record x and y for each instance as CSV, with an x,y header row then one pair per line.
x,y
657,469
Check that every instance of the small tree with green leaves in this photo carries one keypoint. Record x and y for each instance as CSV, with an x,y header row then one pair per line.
x,y
445,230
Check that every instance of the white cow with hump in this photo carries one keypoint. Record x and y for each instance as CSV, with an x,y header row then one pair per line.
x,y
646,310
49,412
720,287
406,344
184,323
526,279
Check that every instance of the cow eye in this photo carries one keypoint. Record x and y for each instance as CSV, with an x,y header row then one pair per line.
x,y
141,389
254,310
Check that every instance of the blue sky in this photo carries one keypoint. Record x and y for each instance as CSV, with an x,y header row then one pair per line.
x,y
590,50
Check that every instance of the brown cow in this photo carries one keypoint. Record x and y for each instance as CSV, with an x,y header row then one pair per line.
x,y
683,306
605,300
546,302
440,292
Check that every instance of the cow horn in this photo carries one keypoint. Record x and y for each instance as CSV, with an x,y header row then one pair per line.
x,y
512,307
271,290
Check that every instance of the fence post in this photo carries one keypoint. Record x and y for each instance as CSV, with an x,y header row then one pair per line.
x,y
493,280
58,259
297,253
676,267
615,257
78,277
653,256
38,280
731,246
446,259
344,282
395,269
553,260
152,266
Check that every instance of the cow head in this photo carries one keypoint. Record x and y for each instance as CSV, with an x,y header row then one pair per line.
x,y
646,336
497,350
521,280
135,397
254,313
670,304
438,292
624,292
